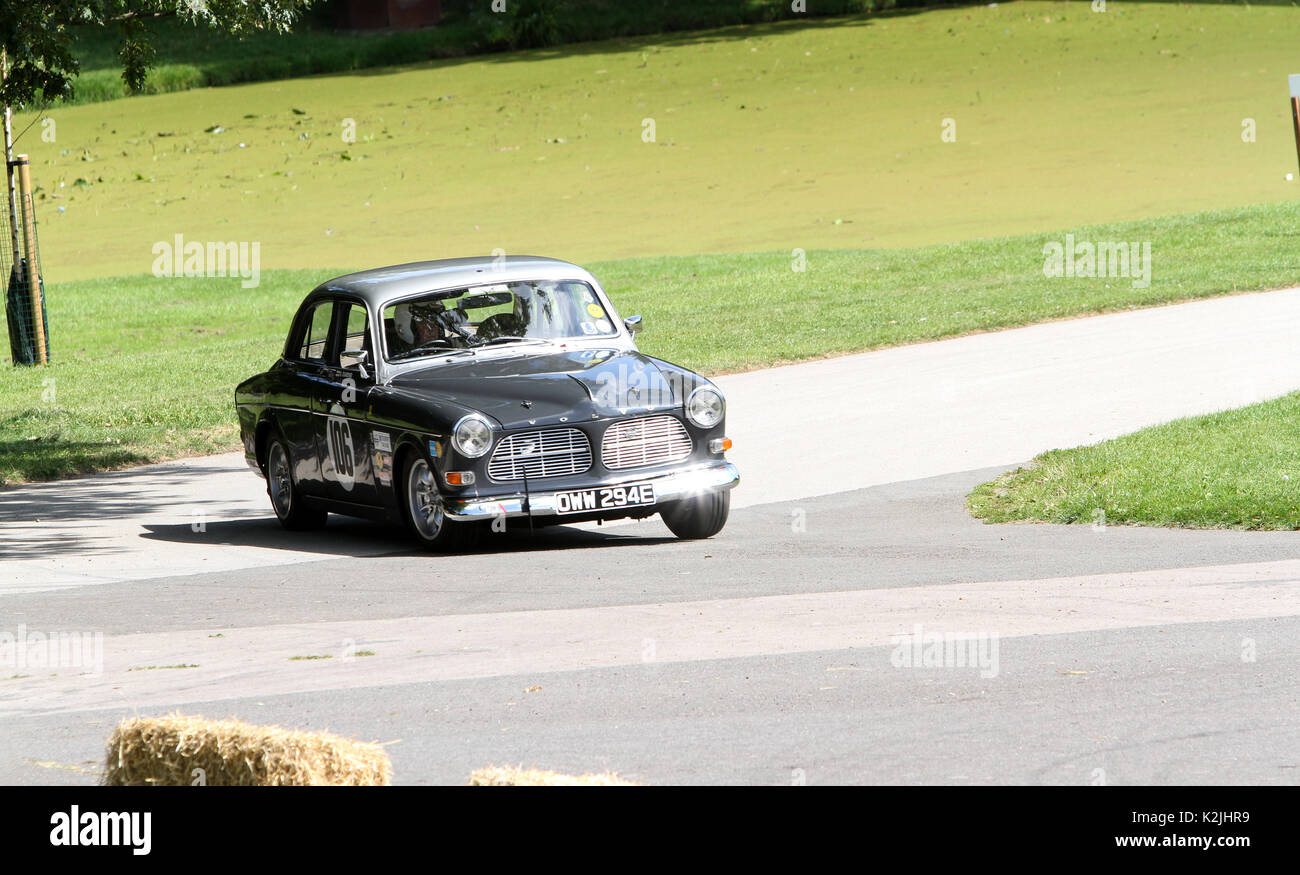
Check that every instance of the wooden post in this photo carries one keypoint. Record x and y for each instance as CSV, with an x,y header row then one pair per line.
x,y
10,193
1294,81
29,251
1295,119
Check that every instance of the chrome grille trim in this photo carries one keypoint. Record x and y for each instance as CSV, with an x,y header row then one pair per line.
x,y
551,453
644,443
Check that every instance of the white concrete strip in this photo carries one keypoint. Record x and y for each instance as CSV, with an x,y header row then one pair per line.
x,y
253,662
800,431
103,528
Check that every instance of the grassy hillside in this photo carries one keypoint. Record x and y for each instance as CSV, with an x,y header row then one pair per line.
x,y
821,136
815,134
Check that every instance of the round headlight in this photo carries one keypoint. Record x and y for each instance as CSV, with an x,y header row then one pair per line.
x,y
472,436
705,407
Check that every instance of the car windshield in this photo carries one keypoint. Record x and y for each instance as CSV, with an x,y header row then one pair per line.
x,y
500,313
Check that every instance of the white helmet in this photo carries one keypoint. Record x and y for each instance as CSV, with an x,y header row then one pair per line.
x,y
406,315
402,323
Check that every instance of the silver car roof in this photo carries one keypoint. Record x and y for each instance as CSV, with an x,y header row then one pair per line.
x,y
385,283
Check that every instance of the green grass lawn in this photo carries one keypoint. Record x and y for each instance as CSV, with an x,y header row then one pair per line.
x,y
145,368
1239,469
817,134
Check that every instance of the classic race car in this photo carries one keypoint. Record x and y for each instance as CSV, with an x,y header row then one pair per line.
x,y
452,396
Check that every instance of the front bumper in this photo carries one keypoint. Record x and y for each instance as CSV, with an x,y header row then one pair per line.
x,y
670,486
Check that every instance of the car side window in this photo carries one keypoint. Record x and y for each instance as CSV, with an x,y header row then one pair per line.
x,y
356,337
316,339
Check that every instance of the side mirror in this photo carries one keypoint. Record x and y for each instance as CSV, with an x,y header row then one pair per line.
x,y
362,356
633,324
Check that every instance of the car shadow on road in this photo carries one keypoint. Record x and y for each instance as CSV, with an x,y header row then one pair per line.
x,y
355,537
65,518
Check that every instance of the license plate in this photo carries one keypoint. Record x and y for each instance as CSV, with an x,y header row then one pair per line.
x,y
604,498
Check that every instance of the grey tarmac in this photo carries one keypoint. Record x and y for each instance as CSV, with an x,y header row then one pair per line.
x,y
1125,655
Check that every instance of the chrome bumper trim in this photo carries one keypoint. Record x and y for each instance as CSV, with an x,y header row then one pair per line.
x,y
671,486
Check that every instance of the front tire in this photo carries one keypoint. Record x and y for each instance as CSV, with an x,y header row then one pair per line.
x,y
700,517
425,516
290,509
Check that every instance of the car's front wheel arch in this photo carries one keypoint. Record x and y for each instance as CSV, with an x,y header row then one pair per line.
x,y
418,488
405,447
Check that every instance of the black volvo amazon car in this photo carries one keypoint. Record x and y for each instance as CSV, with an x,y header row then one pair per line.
x,y
452,395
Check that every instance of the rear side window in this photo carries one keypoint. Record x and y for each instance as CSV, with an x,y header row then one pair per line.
x,y
318,332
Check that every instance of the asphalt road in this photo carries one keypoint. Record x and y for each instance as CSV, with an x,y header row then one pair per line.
x,y
791,648
766,655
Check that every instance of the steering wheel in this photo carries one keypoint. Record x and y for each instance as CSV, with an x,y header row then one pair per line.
x,y
500,324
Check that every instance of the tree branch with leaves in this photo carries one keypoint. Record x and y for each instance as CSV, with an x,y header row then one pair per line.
x,y
37,36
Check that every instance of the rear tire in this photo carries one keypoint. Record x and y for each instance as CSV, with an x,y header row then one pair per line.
x,y
286,499
422,507
700,517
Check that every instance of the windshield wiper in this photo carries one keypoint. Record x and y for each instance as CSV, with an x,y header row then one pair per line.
x,y
512,339
421,351
428,348
425,346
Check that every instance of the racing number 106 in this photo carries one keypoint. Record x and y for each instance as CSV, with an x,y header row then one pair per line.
x,y
340,439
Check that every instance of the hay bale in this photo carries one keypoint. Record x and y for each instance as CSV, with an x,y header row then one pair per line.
x,y
509,776
167,751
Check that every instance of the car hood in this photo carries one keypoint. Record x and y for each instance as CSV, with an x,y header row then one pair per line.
x,y
540,388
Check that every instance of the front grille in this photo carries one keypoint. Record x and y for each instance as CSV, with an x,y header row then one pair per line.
x,y
540,454
641,443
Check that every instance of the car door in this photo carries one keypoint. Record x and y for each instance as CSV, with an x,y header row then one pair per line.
x,y
341,405
299,384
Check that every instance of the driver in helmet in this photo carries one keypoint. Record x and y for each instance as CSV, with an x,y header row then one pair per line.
x,y
416,323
